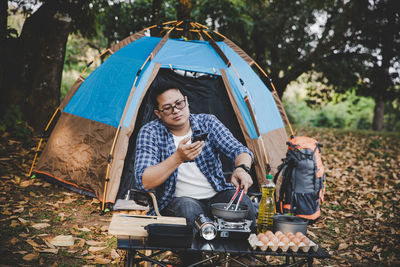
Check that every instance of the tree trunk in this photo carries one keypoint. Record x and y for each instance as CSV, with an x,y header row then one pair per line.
x,y
379,112
184,10
156,17
3,37
3,20
34,81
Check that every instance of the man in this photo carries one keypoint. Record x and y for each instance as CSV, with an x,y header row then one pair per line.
x,y
186,176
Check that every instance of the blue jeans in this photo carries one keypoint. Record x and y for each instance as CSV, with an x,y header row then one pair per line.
x,y
191,208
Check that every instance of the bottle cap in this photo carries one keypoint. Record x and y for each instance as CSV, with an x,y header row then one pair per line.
x,y
269,177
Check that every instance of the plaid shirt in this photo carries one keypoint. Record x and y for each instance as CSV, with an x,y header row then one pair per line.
x,y
155,143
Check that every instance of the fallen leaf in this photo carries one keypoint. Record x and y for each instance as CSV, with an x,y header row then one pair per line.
x,y
101,260
24,184
32,243
19,210
311,234
72,251
39,226
46,185
62,241
23,221
74,232
13,241
94,243
89,257
84,229
48,243
95,201
114,254
14,223
7,212
343,246
337,230
30,257
96,249
80,243
68,200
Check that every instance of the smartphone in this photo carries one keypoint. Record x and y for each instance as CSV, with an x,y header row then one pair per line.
x,y
200,137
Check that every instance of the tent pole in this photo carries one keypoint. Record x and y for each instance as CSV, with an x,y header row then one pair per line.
x,y
176,25
247,101
115,140
41,140
150,57
91,62
196,27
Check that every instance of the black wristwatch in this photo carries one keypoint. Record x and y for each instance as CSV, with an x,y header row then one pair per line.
x,y
244,167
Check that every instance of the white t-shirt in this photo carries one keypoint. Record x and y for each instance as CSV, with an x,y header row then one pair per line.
x,y
191,182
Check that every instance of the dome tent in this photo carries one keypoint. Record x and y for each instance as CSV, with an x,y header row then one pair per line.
x,y
91,148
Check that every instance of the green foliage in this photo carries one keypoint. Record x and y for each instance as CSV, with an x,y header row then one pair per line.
x,y
79,52
14,123
351,111
392,115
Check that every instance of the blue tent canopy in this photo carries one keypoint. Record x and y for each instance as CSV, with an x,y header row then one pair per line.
x,y
103,95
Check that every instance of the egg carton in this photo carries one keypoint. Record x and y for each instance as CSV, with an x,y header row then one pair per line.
x,y
255,243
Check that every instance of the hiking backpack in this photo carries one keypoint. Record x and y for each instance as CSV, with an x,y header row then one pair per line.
x,y
302,188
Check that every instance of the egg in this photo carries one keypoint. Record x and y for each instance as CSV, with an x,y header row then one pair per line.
x,y
305,240
299,234
285,240
268,233
278,234
296,241
290,235
264,239
274,240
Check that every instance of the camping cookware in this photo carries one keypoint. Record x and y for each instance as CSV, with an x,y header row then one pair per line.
x,y
286,223
229,211
219,210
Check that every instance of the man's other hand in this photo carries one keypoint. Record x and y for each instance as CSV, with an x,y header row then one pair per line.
x,y
188,152
241,178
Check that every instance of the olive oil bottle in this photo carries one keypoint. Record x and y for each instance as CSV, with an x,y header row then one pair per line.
x,y
266,209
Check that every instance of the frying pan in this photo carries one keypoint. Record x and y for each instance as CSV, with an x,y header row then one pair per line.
x,y
219,210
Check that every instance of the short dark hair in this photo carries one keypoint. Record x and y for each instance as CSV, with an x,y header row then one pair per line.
x,y
159,91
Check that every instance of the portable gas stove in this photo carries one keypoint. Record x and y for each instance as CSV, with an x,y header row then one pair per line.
x,y
233,229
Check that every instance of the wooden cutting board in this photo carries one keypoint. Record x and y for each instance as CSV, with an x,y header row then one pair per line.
x,y
133,225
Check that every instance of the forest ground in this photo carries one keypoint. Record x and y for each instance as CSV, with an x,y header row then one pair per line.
x,y
359,225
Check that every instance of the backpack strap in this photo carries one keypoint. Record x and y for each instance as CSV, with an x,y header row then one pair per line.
x,y
280,168
287,183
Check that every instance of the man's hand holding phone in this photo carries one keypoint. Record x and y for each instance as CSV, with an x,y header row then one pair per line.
x,y
200,137
187,152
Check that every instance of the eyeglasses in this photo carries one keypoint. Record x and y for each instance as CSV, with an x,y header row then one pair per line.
x,y
168,110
